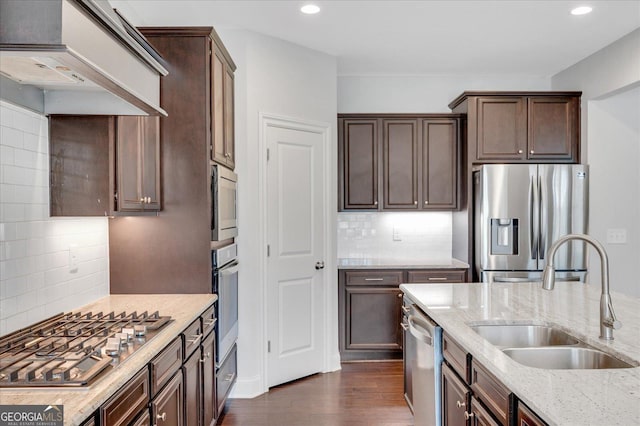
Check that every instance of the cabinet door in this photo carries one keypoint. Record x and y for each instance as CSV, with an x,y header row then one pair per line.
x,y
81,150
192,390
129,166
373,317
553,128
209,381
218,72
138,163
400,164
358,181
480,416
455,398
502,129
150,152
439,164
167,407
229,134
526,417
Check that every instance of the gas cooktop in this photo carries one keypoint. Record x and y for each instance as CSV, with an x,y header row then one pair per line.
x,y
74,349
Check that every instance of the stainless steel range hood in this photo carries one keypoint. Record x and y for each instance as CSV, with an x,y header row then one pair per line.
x,y
76,57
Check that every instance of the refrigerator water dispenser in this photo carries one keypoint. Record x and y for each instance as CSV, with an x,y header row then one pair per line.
x,y
504,236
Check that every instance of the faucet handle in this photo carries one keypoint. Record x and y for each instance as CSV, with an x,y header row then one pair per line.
x,y
612,323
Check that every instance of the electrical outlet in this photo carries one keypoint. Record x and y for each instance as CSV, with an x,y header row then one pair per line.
x,y
396,234
616,236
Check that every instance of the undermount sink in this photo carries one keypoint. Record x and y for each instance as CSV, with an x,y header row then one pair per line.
x,y
564,357
524,336
542,346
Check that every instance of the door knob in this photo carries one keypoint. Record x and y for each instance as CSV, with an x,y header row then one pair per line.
x,y
319,265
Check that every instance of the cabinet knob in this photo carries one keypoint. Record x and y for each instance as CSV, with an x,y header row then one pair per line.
x,y
142,200
206,356
162,416
415,203
519,151
148,199
426,202
460,404
468,415
375,203
399,295
531,152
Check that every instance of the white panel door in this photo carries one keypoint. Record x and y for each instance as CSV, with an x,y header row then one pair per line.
x,y
295,230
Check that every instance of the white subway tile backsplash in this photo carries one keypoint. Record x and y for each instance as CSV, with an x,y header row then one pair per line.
x,y
36,280
422,236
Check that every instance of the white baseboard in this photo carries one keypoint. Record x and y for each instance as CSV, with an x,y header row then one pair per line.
x,y
247,388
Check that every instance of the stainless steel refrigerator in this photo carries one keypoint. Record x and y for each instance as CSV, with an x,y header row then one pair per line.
x,y
519,210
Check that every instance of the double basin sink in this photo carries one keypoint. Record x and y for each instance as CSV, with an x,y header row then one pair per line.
x,y
542,346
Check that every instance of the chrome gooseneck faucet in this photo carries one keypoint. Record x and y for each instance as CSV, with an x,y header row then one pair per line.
x,y
608,320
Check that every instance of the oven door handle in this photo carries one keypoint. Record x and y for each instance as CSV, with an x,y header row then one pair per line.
x,y
229,270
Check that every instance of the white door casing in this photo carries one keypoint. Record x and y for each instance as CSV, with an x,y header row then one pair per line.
x,y
295,228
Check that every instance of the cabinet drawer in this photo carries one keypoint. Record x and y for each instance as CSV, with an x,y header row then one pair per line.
x,y
456,356
481,416
225,378
123,407
192,338
208,320
490,391
373,277
165,365
435,276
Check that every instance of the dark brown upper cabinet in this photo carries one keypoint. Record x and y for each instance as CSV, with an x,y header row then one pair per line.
x,y
104,165
358,157
520,127
401,162
222,104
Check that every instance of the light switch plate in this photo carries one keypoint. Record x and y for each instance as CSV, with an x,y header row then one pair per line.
x,y
74,257
616,236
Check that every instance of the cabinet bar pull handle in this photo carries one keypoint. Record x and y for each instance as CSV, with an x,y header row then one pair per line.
x,y
405,309
210,322
196,338
437,278
374,279
404,326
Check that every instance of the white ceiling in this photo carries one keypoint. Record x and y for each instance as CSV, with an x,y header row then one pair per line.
x,y
417,37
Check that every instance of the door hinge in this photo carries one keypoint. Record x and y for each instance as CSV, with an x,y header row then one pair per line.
x,y
269,346
268,250
267,154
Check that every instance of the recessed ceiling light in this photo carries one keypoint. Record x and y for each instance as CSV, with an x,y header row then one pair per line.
x,y
582,10
310,9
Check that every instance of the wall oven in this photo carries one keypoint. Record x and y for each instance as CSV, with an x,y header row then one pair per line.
x,y
225,285
224,213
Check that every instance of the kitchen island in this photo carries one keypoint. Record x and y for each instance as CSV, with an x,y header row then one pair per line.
x,y
79,403
559,397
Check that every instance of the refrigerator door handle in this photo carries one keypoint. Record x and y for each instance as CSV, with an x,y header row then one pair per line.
x,y
542,220
533,218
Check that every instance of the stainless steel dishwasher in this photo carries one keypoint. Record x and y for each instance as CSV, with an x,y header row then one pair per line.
x,y
424,359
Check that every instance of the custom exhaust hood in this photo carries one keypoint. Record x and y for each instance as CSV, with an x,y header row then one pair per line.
x,y
76,57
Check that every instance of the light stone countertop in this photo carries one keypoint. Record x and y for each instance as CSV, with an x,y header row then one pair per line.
x,y
389,263
81,402
560,397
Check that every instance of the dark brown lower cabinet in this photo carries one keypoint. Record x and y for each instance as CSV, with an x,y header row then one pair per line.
x,y
479,415
192,385
370,315
455,398
143,419
167,408
209,400
526,417
225,378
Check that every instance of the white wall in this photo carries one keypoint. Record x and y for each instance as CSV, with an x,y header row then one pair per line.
x,y
609,81
422,94
36,281
280,78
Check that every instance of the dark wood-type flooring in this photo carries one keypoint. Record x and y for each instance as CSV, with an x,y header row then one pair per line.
x,y
360,394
